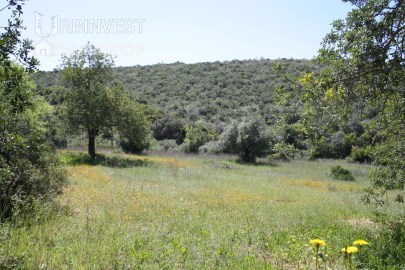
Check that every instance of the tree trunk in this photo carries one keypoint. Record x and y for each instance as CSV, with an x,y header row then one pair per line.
x,y
112,139
92,133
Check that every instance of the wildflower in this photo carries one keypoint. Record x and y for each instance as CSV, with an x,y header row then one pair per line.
x,y
360,243
317,242
350,250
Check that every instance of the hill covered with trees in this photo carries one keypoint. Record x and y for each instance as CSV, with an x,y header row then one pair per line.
x,y
216,93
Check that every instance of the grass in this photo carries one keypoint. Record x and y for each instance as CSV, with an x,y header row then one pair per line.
x,y
191,212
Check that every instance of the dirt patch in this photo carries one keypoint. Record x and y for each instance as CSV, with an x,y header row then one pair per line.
x,y
363,223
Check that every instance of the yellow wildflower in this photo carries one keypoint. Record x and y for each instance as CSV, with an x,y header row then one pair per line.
x,y
317,242
360,242
350,250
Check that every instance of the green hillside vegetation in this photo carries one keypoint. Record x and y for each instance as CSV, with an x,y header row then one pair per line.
x,y
217,95
217,92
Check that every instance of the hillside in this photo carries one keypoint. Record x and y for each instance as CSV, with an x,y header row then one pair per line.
x,y
215,92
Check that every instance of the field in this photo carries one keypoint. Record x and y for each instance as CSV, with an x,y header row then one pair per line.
x,y
194,212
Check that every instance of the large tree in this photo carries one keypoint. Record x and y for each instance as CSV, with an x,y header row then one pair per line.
x,y
94,102
364,55
87,74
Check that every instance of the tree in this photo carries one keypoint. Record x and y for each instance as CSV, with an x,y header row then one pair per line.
x,y
249,139
364,55
87,74
11,43
29,167
253,140
131,121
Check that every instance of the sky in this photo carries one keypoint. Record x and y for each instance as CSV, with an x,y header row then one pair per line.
x,y
141,32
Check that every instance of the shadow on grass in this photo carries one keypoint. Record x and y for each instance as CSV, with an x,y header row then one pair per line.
x,y
266,163
103,160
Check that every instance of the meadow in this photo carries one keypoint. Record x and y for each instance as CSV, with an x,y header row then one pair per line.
x,y
194,212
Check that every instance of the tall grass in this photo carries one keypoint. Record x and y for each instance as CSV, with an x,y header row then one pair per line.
x,y
190,212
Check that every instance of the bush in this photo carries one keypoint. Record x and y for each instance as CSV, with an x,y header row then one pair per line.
x,y
166,145
134,128
228,141
338,145
196,135
212,147
249,140
283,151
133,147
294,135
360,154
30,169
339,173
169,127
253,140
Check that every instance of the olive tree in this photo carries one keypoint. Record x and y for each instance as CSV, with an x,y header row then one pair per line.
x,y
249,139
87,74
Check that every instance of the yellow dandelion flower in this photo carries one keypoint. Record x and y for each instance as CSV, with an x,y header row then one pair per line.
x,y
317,242
350,250
360,242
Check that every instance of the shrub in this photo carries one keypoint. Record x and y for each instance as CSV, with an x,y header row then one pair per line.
x,y
228,141
339,173
253,140
166,145
133,147
196,136
294,135
212,147
360,154
249,140
29,167
283,151
134,128
169,127
338,145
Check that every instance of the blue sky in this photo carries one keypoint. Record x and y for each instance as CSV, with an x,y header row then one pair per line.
x,y
150,32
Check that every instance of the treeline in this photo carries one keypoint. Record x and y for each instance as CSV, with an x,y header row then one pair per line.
x,y
194,106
